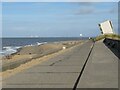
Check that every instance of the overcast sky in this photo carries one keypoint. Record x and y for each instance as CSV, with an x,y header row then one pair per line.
x,y
58,19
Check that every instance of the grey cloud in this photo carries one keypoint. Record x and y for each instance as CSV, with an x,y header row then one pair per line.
x,y
113,10
90,9
85,10
85,3
110,11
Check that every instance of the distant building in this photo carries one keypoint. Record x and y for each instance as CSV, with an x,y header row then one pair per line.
x,y
106,27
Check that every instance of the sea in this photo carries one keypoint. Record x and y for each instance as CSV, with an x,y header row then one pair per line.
x,y
11,45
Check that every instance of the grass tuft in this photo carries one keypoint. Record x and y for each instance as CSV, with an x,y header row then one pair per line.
x,y
111,36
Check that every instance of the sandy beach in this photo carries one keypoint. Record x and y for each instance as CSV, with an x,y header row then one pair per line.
x,y
31,55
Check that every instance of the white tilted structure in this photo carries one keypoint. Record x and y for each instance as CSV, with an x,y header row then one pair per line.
x,y
106,27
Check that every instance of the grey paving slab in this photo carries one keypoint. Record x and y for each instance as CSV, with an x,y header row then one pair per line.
x,y
54,69
77,54
42,86
101,70
59,72
42,79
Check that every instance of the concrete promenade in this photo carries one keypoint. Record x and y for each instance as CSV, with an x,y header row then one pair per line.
x,y
101,70
77,68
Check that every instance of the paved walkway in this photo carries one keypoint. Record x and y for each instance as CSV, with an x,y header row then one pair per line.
x,y
101,70
63,71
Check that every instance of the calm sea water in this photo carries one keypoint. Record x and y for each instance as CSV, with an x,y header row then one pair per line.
x,y
10,45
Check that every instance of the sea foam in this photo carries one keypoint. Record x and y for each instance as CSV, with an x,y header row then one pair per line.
x,y
9,50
